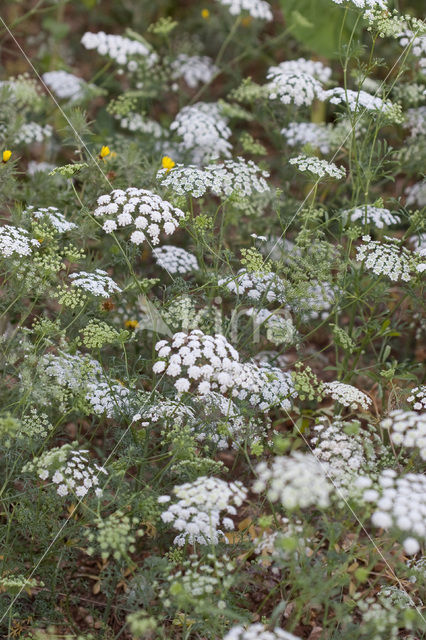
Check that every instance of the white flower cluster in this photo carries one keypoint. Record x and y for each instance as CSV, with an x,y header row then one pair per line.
x,y
407,428
73,371
417,44
194,70
317,302
417,398
256,8
296,480
120,49
415,120
38,167
198,512
52,215
218,421
204,576
69,469
271,545
347,395
342,451
204,131
32,132
241,176
175,259
98,283
255,285
106,398
14,240
416,194
312,133
136,122
279,329
355,100
418,242
387,258
263,386
378,216
66,85
366,4
318,167
165,410
258,631
152,214
208,360
401,503
299,81
300,88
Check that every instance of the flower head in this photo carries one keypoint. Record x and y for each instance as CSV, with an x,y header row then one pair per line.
x,y
104,152
167,163
6,155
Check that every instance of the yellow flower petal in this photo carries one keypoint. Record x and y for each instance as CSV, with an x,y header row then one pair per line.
x,y
167,163
104,152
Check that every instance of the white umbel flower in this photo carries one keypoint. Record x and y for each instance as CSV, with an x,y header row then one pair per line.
x,y
175,259
255,286
344,451
312,133
279,325
365,4
52,216
98,283
65,85
417,43
203,131
72,371
417,398
263,386
408,429
119,48
69,469
143,210
387,258
194,70
136,122
259,9
32,132
239,176
16,241
377,216
258,631
347,395
107,399
299,81
297,481
203,509
194,359
416,194
400,504
356,100
317,167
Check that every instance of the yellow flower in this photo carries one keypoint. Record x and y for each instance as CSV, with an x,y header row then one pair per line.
x,y
6,155
131,324
167,163
205,13
104,152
